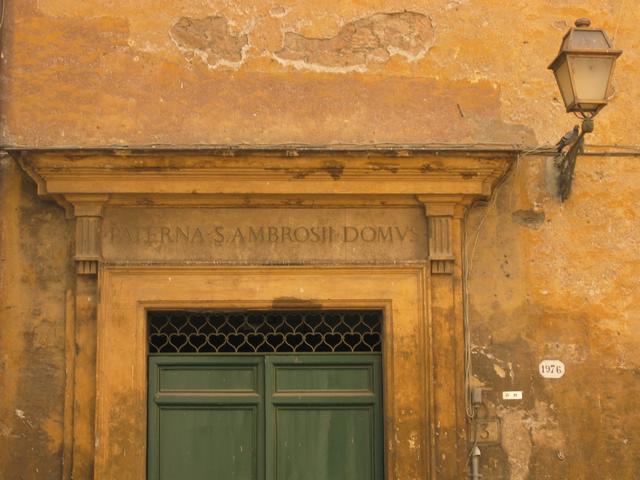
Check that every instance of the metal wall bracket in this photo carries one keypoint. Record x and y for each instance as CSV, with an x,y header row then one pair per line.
x,y
566,161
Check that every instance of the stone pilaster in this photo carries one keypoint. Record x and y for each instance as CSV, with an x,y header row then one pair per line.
x,y
444,221
87,210
88,215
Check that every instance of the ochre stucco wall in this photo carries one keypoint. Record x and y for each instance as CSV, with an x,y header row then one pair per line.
x,y
548,280
559,281
35,272
185,72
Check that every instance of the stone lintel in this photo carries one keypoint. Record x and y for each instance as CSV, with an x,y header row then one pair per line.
x,y
319,174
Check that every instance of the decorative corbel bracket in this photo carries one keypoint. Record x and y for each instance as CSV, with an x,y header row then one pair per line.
x,y
441,213
87,210
440,244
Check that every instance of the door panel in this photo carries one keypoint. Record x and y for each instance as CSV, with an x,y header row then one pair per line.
x,y
271,417
206,417
208,378
325,378
324,417
208,443
324,443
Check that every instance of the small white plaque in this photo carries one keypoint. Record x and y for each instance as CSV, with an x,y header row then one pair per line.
x,y
513,395
551,369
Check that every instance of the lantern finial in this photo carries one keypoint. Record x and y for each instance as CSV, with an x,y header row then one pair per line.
x,y
583,23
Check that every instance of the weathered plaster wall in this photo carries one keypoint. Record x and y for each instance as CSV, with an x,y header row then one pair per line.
x,y
552,281
34,276
548,279
186,72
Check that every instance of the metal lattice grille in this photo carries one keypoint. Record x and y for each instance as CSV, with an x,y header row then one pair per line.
x,y
272,331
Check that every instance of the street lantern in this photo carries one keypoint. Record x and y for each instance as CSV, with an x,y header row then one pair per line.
x,y
583,68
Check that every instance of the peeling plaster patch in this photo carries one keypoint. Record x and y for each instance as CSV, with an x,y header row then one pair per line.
x,y
499,371
21,415
516,442
144,47
278,11
479,350
501,367
211,40
372,39
413,441
572,352
5,431
522,429
454,4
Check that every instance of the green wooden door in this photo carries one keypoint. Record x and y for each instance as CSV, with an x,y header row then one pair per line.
x,y
206,418
269,417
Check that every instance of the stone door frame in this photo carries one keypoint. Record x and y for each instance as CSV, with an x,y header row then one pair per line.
x,y
127,293
442,183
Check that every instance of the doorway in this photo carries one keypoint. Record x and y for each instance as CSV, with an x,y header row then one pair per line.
x,y
265,395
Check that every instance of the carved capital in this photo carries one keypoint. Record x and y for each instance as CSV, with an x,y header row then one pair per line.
x,y
441,212
88,215
88,253
440,244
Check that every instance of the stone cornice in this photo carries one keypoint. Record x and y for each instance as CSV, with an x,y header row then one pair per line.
x,y
445,183
183,175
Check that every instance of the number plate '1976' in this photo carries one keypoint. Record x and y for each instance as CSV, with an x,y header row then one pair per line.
x,y
552,368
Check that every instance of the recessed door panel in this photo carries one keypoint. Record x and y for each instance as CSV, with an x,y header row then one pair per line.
x,y
206,417
323,417
327,378
209,378
324,443
208,443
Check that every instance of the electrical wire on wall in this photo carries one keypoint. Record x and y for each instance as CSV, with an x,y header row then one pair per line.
x,y
467,260
468,254
471,408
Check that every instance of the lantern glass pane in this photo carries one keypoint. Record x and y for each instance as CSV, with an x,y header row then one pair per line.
x,y
564,82
579,39
590,76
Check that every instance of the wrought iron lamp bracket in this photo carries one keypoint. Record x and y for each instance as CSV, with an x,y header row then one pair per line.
x,y
566,161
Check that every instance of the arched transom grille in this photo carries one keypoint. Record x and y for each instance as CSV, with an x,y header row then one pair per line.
x,y
266,331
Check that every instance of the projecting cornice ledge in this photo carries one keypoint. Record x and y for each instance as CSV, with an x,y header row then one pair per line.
x,y
444,183
246,178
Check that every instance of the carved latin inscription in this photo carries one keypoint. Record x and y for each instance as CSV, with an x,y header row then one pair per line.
x,y
271,235
220,235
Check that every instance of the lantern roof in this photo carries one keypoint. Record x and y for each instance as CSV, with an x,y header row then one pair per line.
x,y
584,39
